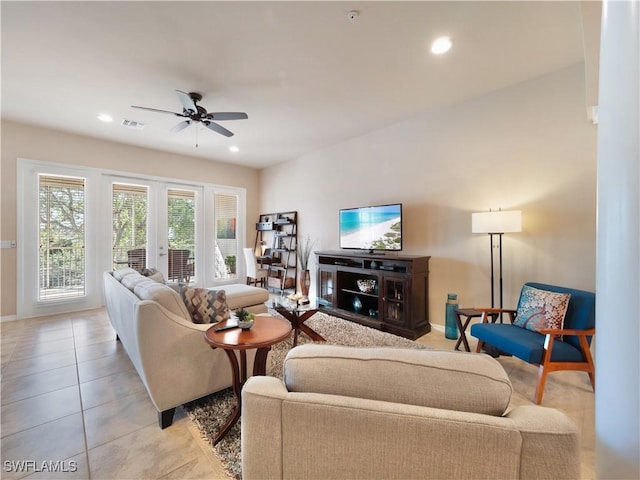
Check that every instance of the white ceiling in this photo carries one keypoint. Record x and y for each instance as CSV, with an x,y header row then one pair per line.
x,y
306,76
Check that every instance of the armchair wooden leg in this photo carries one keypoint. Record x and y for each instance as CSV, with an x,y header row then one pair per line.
x,y
542,380
479,347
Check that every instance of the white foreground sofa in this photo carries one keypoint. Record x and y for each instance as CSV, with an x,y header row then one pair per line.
x,y
167,349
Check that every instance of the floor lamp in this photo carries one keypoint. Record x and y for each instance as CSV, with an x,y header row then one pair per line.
x,y
496,223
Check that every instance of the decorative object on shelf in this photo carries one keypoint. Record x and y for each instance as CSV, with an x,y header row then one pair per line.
x,y
305,282
304,252
450,325
245,319
357,304
366,285
496,223
374,265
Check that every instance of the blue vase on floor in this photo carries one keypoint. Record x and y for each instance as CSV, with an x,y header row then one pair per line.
x,y
450,325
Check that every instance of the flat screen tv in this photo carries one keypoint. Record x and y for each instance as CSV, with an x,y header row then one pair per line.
x,y
372,228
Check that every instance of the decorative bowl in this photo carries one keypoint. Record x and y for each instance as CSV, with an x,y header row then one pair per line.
x,y
366,285
245,324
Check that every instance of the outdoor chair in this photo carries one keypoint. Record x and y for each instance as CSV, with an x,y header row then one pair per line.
x,y
137,259
180,268
560,347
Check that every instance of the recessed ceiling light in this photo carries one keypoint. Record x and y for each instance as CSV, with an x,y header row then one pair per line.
x,y
441,45
234,149
103,117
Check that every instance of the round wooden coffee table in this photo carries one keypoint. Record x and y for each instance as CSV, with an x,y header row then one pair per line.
x,y
266,331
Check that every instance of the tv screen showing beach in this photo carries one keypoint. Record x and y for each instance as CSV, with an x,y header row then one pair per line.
x,y
371,228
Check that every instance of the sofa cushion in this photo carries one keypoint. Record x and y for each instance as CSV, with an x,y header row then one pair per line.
x,y
123,272
541,309
239,295
459,381
132,281
153,274
206,305
162,294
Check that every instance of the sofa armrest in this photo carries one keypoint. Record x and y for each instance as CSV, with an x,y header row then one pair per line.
x,y
176,363
550,443
261,432
432,378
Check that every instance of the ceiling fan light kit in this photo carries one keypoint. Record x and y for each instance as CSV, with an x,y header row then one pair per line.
x,y
195,113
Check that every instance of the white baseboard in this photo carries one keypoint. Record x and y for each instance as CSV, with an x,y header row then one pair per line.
x,y
438,327
8,318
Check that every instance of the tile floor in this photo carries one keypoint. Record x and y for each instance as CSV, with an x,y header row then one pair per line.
x,y
70,394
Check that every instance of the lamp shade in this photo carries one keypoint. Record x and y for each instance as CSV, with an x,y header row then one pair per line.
x,y
496,222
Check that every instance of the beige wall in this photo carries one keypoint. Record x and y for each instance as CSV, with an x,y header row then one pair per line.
x,y
529,147
21,141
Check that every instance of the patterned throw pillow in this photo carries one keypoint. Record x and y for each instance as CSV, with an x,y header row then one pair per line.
x,y
540,309
205,305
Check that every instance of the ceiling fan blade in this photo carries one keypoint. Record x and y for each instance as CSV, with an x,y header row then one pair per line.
x,y
218,128
159,111
187,101
227,116
181,126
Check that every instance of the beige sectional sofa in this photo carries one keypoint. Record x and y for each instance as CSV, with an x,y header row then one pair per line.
x,y
367,413
167,349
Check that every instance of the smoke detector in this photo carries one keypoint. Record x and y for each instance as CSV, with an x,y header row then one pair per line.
x,y
353,16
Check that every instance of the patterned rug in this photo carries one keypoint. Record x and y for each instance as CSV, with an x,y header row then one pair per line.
x,y
210,413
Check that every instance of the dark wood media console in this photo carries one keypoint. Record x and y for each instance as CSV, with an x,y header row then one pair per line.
x,y
399,302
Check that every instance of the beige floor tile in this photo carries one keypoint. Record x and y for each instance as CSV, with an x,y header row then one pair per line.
x,y
104,366
20,388
110,388
41,363
42,334
98,336
146,453
36,410
74,468
35,349
117,418
98,350
52,441
200,468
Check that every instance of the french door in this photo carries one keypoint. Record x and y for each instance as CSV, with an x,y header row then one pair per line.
x,y
76,222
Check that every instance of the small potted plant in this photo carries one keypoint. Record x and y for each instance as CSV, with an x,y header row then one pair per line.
x,y
245,319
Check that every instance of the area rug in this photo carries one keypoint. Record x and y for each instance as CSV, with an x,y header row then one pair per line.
x,y
210,413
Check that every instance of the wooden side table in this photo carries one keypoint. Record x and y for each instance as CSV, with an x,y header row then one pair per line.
x,y
468,313
266,331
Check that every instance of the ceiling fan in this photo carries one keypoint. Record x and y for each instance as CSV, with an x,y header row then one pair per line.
x,y
195,113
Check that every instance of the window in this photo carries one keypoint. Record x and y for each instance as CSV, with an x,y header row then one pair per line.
x,y
61,237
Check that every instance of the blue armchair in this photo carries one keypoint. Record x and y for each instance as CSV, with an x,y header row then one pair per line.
x,y
551,349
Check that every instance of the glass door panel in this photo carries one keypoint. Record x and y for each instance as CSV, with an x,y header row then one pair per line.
x,y
181,235
129,221
61,238
226,237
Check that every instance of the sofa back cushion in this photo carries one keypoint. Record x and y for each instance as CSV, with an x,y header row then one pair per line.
x,y
123,272
460,381
164,295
